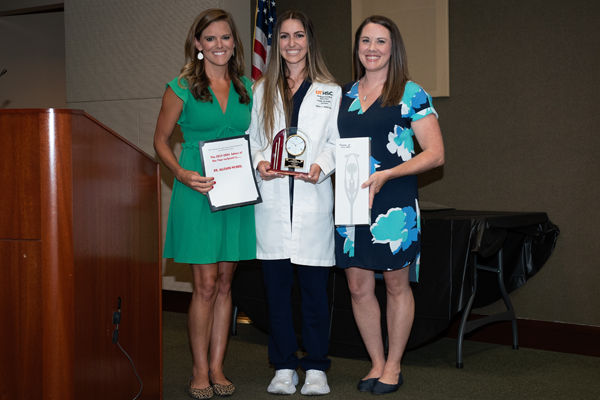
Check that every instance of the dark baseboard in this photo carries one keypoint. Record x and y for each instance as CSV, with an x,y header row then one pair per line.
x,y
539,335
175,301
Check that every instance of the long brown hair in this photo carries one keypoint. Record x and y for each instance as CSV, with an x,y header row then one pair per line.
x,y
194,72
397,75
275,79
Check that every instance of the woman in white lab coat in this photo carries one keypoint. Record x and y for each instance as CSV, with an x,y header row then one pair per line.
x,y
294,223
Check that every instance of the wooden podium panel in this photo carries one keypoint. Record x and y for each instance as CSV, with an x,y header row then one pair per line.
x,y
20,311
83,205
20,171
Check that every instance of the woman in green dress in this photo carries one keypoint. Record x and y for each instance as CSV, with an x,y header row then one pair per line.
x,y
210,99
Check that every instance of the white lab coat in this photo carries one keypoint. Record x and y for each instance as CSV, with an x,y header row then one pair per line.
x,y
308,240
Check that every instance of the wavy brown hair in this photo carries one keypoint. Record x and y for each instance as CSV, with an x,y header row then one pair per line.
x,y
275,79
397,75
194,73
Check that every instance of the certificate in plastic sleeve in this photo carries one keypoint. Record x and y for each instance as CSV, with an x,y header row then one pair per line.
x,y
229,162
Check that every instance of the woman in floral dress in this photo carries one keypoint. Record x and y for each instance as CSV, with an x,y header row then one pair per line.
x,y
383,104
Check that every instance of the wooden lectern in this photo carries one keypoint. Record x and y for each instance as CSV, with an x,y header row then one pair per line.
x,y
79,228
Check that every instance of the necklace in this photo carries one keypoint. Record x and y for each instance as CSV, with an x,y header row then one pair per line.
x,y
375,87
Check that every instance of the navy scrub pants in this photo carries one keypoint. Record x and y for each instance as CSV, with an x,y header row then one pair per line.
x,y
279,279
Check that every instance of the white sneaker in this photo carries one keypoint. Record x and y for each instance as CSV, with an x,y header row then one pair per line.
x,y
284,382
315,383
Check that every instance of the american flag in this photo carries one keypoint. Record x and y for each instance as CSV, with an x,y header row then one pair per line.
x,y
263,34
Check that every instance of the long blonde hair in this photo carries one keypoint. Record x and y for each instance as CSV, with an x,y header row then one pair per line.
x,y
397,74
275,79
194,73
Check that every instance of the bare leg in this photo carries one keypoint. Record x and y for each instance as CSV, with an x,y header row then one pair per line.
x,y
200,319
400,316
367,314
223,310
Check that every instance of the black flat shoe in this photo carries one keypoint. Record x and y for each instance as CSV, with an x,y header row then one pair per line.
x,y
384,388
367,384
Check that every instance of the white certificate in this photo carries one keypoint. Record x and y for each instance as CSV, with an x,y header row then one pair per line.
x,y
228,161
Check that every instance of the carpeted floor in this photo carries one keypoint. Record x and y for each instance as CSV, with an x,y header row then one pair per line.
x,y
490,372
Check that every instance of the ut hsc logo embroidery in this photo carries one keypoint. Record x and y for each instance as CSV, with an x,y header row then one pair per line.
x,y
324,93
324,98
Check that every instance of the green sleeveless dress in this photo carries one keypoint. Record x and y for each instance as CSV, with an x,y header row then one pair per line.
x,y
194,234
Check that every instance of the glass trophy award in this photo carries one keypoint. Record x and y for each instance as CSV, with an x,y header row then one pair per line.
x,y
291,152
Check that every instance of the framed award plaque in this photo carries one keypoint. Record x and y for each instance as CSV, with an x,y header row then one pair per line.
x,y
291,152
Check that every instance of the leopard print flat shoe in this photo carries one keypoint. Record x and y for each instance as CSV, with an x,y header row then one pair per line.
x,y
223,390
206,393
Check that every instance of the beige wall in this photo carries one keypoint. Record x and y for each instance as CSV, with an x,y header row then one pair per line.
x,y
32,49
521,129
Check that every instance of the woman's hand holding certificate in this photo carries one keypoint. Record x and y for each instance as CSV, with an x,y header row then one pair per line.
x,y
228,161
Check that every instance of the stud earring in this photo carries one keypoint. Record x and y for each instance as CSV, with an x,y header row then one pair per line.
x,y
200,55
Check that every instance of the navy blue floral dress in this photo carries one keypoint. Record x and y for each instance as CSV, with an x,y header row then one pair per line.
x,y
392,241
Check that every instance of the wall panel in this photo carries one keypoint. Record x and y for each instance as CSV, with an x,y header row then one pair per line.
x,y
520,130
103,52
119,115
162,30
32,49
